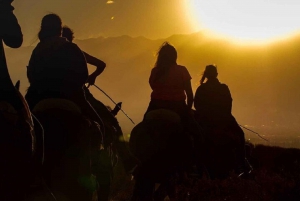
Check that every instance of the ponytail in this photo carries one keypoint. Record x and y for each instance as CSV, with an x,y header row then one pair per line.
x,y
209,72
203,78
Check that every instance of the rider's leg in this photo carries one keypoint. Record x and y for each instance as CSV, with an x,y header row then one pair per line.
x,y
79,98
128,160
143,189
243,165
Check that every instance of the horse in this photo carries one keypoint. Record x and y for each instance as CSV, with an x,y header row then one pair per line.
x,y
17,147
163,146
223,146
71,146
17,144
114,146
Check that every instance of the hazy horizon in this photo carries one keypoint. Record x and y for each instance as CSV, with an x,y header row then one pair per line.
x,y
255,45
263,79
245,22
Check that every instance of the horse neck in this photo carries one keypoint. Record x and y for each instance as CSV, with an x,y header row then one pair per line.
x,y
8,92
5,81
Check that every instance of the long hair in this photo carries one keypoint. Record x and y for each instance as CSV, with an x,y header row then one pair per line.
x,y
51,26
68,33
209,72
166,57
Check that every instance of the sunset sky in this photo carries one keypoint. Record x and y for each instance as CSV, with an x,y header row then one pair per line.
x,y
93,18
239,20
263,78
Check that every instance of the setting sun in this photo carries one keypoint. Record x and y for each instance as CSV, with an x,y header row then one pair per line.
x,y
247,20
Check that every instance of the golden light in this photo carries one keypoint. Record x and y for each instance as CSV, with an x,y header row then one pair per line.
x,y
109,2
246,20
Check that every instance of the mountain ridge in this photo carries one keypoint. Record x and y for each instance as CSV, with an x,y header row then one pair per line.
x,y
263,79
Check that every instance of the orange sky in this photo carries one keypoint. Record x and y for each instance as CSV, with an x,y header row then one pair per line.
x,y
250,20
269,100
92,18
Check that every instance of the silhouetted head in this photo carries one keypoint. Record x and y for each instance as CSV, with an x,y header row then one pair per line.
x,y
209,73
68,33
51,26
166,57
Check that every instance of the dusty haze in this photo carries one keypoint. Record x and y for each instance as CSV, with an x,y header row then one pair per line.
x,y
263,80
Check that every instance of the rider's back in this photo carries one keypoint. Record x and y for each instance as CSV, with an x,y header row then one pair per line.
x,y
57,65
213,102
57,69
171,87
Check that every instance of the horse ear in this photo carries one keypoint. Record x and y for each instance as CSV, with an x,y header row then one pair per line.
x,y
117,109
17,85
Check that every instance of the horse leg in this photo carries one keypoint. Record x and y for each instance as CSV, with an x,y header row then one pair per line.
x,y
103,173
167,188
143,189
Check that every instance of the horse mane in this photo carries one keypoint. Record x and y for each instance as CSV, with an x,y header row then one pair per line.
x,y
17,85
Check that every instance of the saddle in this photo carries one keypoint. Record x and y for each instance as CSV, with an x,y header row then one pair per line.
x,y
69,140
153,134
163,115
56,103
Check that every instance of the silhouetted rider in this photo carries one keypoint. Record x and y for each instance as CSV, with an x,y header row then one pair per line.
x,y
170,84
128,161
213,103
57,68
213,100
69,34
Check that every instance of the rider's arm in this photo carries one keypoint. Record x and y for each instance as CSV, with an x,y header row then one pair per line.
x,y
197,100
228,99
10,30
189,93
96,62
186,80
151,80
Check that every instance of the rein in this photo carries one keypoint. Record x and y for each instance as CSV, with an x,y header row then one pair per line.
x,y
254,132
43,156
113,102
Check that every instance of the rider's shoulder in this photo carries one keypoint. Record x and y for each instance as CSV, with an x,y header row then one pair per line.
x,y
223,84
224,87
70,45
72,48
180,67
201,87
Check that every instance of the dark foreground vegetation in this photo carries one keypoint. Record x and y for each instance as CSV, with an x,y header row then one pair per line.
x,y
276,177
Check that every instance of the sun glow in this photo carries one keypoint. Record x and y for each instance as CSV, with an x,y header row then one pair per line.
x,y
247,20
